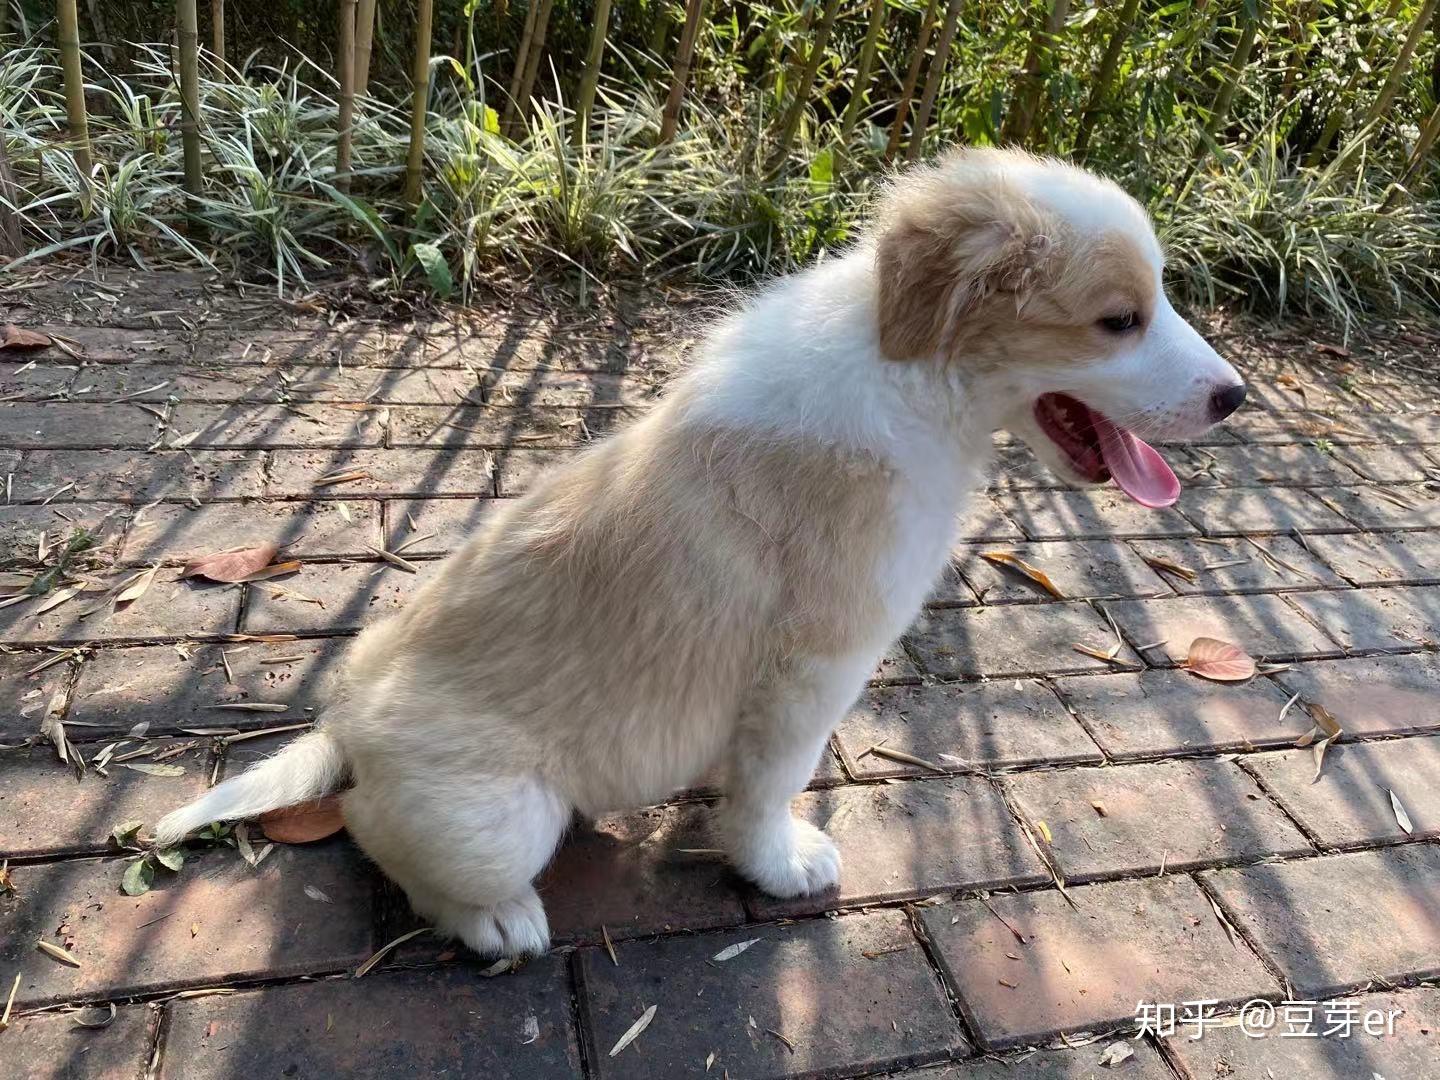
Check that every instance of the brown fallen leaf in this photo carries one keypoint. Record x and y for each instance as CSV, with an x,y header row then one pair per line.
x,y
1218,660
136,586
1401,817
17,337
305,822
237,564
1332,350
1170,567
57,953
1033,572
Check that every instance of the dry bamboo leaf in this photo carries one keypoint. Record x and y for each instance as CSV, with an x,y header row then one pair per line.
x,y
17,337
908,759
1324,720
1171,567
394,560
634,1031
85,1018
1401,817
385,950
251,706
136,586
55,952
314,892
10,1001
55,599
1219,661
1108,657
499,967
279,569
1045,832
1224,923
732,951
609,945
155,770
1033,572
342,477
305,822
1319,751
788,1044
237,564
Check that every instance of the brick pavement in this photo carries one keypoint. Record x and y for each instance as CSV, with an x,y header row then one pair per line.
x,y
1035,840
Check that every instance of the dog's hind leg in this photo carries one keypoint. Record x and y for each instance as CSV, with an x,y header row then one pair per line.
x,y
777,743
466,855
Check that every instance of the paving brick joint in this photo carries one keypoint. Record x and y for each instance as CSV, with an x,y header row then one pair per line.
x,y
1037,838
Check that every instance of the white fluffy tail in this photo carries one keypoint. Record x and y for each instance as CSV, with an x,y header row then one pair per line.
x,y
309,767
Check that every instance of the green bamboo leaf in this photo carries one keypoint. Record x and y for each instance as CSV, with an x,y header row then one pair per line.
x,y
437,270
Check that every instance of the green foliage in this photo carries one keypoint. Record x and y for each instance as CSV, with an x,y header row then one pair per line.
x,y
1245,218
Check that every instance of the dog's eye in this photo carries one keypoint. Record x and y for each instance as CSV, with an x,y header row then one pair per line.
x,y
1119,324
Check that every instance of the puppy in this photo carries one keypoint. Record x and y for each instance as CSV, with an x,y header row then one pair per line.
x,y
710,588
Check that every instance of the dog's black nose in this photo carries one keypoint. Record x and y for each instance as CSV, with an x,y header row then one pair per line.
x,y
1226,400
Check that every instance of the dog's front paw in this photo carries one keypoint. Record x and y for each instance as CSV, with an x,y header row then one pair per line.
x,y
802,864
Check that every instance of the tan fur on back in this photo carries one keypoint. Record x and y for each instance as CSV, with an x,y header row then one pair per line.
x,y
608,626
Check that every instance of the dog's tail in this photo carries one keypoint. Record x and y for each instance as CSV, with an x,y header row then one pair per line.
x,y
309,767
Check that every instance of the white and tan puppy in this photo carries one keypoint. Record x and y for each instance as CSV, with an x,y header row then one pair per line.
x,y
710,588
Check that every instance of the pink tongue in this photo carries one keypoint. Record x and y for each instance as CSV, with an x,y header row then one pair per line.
x,y
1136,466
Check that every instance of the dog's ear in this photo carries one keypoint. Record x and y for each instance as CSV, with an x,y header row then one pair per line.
x,y
943,254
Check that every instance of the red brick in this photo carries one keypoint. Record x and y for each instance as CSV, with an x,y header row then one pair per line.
x,y
983,520
911,839
1096,514
350,595
158,383
439,425
170,607
517,469
569,389
390,473
1155,713
215,921
1254,466
989,725
1009,640
851,995
1366,620
68,424
1349,804
1243,511
446,1022
1332,924
52,1046
895,667
1379,695
1264,626
1410,1049
1372,511
1080,570
434,526
1389,464
21,526
1173,815
1402,558
1085,967
34,382
48,810
260,425
397,386
171,689
1294,567
175,532
24,698
135,476
626,872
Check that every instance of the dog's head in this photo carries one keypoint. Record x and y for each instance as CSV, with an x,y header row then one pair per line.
x,y
1044,282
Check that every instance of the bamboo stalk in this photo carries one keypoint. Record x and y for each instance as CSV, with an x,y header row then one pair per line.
x,y
346,118
1391,87
364,40
1105,75
217,30
680,75
532,62
591,78
806,79
1037,64
859,91
912,77
1225,96
419,102
188,25
522,56
933,78
69,34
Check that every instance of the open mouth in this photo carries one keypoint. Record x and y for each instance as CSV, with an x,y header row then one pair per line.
x,y
1099,449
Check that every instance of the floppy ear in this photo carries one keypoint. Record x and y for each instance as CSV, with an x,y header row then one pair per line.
x,y
943,254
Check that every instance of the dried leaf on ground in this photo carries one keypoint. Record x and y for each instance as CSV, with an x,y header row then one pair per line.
x,y
100,1016
151,769
1220,661
386,949
136,586
634,1031
304,822
1030,570
1401,817
1116,1054
317,893
732,951
17,337
1169,566
56,952
237,564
